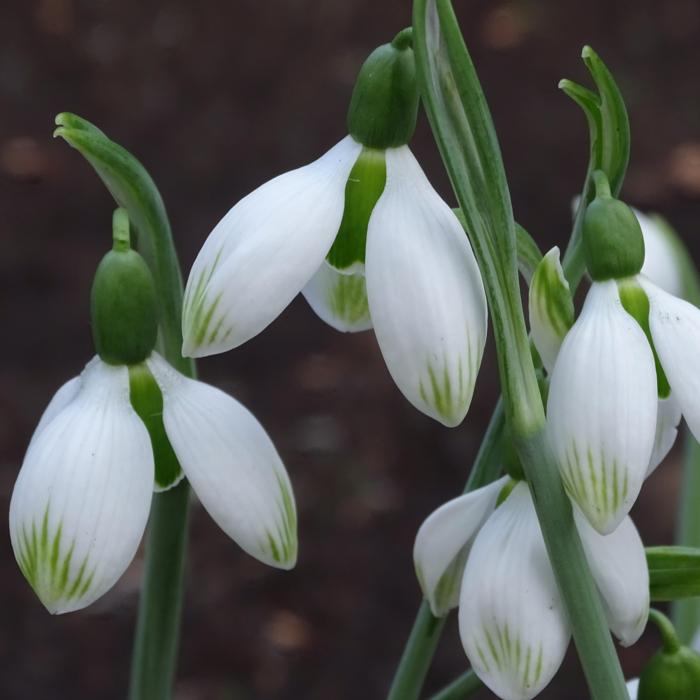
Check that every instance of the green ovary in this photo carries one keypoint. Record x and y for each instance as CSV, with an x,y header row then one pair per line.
x,y
45,558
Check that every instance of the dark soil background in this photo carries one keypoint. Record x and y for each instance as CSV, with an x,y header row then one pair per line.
x,y
215,98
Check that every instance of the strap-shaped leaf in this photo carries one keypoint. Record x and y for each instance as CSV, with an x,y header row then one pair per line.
x,y
133,188
674,572
609,134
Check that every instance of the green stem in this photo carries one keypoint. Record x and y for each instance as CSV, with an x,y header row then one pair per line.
x,y
463,687
425,633
158,626
669,638
686,613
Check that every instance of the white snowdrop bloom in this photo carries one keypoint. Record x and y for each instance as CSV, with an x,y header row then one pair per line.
x,y
512,620
83,495
411,275
602,408
633,688
367,240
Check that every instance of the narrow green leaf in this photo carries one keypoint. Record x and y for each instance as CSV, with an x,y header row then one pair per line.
x,y
134,190
674,572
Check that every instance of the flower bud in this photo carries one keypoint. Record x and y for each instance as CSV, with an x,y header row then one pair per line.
x,y
384,104
671,676
612,238
123,302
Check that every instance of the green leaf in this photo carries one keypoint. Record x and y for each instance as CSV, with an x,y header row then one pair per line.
x,y
134,190
674,572
609,135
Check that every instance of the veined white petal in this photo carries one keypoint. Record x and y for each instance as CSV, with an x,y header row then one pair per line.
x,y
443,541
675,330
660,259
232,465
426,297
633,688
512,619
550,308
263,252
339,299
668,416
619,567
60,400
602,407
82,498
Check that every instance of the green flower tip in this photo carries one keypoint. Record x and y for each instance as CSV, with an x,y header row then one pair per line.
x,y
612,237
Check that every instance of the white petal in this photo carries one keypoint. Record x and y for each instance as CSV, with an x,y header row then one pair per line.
x,y
443,541
619,567
660,258
633,688
675,329
81,501
512,620
232,465
339,299
668,417
59,401
550,308
263,252
602,408
426,297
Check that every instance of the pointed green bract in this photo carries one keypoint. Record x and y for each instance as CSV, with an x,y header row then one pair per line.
x,y
45,558
636,303
364,187
147,401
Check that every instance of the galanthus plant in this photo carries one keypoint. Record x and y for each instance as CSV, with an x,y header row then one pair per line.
x,y
540,549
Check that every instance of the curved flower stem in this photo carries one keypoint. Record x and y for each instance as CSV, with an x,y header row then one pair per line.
x,y
425,633
463,687
158,625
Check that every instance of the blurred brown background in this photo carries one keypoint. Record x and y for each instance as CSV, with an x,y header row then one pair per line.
x,y
215,98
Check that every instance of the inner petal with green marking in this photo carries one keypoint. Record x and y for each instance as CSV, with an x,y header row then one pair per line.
x,y
363,189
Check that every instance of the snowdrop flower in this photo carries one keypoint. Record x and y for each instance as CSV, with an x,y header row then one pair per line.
x,y
512,620
369,242
131,422
661,264
625,371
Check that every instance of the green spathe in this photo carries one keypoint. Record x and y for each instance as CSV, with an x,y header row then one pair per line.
x,y
362,191
612,238
384,104
123,304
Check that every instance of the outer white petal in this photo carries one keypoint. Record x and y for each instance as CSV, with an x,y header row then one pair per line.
x,y
339,299
602,408
675,330
660,259
633,688
442,544
512,620
263,252
232,465
620,570
667,419
81,501
59,401
426,297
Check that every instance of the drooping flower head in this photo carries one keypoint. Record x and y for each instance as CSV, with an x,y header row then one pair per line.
x,y
484,552
369,242
129,424
625,371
